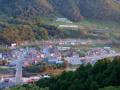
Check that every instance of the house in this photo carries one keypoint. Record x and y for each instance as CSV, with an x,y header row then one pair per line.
x,y
68,26
54,60
74,60
65,20
63,48
13,45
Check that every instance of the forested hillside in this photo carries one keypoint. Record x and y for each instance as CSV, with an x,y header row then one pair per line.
x,y
101,10
21,17
74,10
24,8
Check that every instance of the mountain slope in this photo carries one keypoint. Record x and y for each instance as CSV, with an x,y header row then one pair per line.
x,y
67,8
28,8
72,9
100,9
25,7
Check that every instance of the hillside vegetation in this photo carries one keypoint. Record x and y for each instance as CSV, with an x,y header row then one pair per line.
x,y
102,9
18,18
72,9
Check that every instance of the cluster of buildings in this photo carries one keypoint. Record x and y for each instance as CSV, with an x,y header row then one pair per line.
x,y
33,57
56,55
100,51
50,54
10,81
92,56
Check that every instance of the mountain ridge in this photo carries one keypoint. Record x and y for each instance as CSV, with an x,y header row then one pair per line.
x,y
74,10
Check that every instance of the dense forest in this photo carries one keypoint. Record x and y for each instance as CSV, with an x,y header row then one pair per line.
x,y
104,75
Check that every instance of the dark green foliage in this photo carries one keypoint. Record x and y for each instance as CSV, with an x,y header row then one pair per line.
x,y
87,77
29,87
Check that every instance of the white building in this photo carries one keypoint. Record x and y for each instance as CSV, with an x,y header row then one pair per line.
x,y
68,26
65,20
63,48
13,45
54,60
74,60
